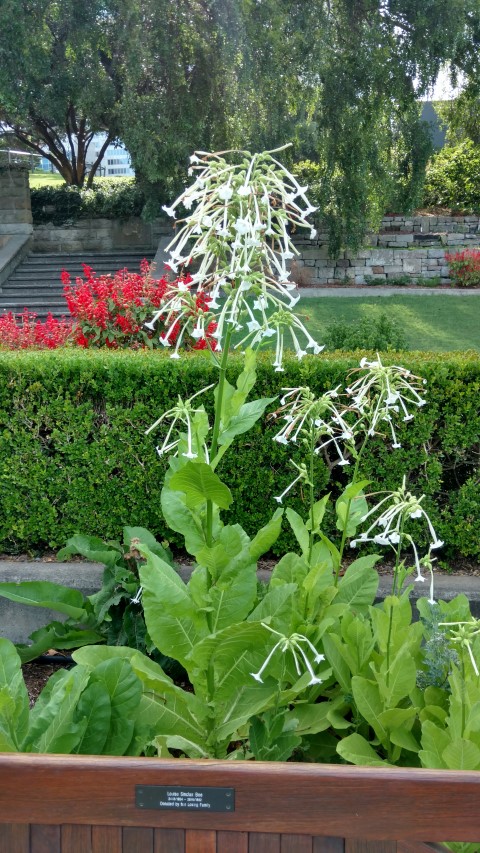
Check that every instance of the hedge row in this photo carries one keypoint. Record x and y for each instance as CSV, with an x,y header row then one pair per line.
x,y
74,455
114,198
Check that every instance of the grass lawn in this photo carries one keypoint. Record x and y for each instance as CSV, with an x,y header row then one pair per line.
x,y
436,323
44,179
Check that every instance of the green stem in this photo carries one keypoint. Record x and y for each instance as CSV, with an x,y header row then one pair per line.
x,y
216,426
311,496
394,592
349,503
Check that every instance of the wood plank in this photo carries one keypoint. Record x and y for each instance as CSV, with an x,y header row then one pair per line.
x,y
364,846
169,841
338,800
15,837
328,845
264,842
44,839
106,839
232,842
200,841
418,847
76,839
137,839
296,843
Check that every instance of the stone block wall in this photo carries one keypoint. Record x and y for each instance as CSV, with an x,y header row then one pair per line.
x,y
15,208
405,247
100,235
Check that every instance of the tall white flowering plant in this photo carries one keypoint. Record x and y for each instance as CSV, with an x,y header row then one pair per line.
x,y
306,665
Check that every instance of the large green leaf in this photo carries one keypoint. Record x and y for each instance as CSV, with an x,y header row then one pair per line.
x,y
92,548
63,599
247,416
181,519
146,538
358,587
370,705
266,536
300,530
57,635
434,741
462,754
290,569
351,506
94,710
357,750
52,725
402,679
276,607
124,690
232,603
14,713
173,622
200,484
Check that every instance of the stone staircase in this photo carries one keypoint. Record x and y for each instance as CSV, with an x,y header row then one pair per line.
x,y
36,284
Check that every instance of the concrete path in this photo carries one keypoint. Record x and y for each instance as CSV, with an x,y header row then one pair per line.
x,y
374,290
18,621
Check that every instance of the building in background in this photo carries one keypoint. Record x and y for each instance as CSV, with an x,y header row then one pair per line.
x,y
116,161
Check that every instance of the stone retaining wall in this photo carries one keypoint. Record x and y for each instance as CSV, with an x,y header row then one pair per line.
x,y
100,235
15,207
405,247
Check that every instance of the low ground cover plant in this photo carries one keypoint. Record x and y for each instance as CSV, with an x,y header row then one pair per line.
x,y
464,267
308,666
25,331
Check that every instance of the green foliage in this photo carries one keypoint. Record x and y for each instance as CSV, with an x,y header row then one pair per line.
x,y
74,456
78,711
453,178
112,615
379,334
117,198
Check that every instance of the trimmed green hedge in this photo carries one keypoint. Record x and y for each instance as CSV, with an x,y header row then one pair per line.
x,y
453,178
115,198
74,455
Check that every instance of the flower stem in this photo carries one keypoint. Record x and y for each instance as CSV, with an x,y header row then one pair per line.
x,y
216,426
311,495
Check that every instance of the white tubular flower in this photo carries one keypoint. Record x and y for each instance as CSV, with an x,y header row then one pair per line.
x,y
388,527
305,414
245,207
180,415
382,393
295,645
138,596
302,475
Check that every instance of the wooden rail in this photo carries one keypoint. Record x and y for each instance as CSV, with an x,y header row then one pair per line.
x,y
77,804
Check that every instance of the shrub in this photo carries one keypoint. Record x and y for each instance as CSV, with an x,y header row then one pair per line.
x,y
453,178
465,267
111,310
380,334
118,198
74,455
24,331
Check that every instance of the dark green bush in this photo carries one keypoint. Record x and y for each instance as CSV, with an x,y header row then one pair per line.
x,y
116,198
74,455
379,334
453,178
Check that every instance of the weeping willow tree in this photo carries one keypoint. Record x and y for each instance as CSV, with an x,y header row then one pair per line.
x,y
341,79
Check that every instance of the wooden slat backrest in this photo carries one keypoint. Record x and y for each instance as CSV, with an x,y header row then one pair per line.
x,y
303,799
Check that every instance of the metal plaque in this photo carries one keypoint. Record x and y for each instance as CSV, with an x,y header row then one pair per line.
x,y
178,798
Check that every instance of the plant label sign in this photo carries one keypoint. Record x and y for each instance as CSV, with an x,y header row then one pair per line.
x,y
178,798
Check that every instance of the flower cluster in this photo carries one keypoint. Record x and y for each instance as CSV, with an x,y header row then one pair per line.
x,y
464,267
183,414
383,392
295,645
237,239
25,331
110,310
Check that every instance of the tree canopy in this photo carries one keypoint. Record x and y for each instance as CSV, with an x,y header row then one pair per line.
x,y
339,78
